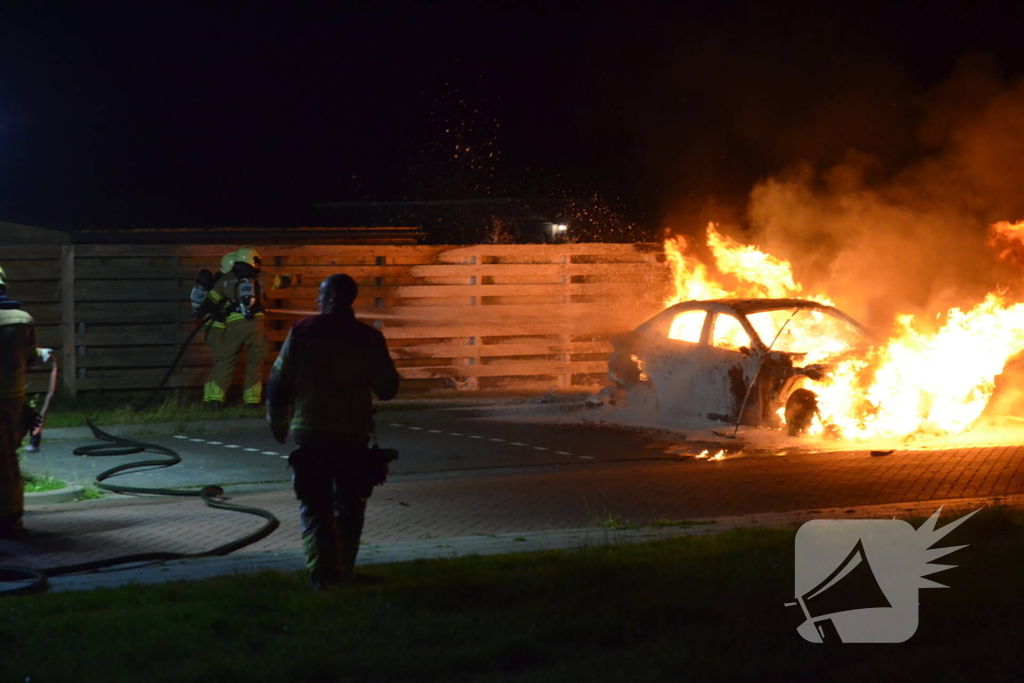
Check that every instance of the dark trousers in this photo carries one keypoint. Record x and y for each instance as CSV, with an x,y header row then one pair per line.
x,y
12,492
329,475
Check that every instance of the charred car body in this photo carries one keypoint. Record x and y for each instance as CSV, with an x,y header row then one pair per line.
x,y
746,361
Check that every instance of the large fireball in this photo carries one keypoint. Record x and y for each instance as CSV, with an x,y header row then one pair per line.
x,y
937,381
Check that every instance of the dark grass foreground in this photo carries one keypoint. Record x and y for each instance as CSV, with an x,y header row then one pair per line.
x,y
702,608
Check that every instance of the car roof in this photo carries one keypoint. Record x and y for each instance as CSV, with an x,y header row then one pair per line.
x,y
747,306
753,305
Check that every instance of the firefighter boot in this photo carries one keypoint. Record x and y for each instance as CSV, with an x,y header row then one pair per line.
x,y
213,396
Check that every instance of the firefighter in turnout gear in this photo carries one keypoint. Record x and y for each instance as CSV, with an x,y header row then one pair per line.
x,y
17,352
320,389
204,309
237,298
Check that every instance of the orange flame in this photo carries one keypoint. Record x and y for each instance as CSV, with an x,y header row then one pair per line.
x,y
763,275
689,276
1009,239
926,383
755,274
914,383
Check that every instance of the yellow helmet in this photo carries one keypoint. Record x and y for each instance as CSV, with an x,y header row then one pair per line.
x,y
248,255
227,262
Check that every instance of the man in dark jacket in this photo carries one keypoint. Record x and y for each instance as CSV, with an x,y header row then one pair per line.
x,y
320,388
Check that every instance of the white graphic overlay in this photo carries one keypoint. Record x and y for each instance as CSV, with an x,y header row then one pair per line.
x,y
857,579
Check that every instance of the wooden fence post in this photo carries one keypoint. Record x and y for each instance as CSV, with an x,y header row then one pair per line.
x,y
473,382
565,379
67,318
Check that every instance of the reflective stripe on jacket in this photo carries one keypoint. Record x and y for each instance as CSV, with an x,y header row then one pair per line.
x,y
223,297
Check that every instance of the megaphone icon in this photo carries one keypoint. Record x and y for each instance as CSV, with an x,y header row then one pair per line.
x,y
851,586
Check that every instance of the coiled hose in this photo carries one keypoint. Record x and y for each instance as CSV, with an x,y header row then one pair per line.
x,y
37,578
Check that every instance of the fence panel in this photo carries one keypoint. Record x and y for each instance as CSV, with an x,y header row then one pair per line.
x,y
482,316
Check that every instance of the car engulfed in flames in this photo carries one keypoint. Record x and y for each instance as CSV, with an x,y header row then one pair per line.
x,y
744,361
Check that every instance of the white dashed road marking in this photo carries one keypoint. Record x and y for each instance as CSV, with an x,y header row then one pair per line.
x,y
477,436
393,424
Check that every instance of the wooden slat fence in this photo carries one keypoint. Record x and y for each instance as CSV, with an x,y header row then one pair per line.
x,y
467,317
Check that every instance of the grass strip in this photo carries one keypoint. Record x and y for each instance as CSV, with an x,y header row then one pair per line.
x,y
37,483
693,608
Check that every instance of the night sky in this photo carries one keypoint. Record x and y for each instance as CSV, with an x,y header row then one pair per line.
x,y
132,117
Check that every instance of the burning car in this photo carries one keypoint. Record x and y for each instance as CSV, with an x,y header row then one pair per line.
x,y
751,361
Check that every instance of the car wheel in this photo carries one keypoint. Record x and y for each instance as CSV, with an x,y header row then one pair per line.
x,y
800,410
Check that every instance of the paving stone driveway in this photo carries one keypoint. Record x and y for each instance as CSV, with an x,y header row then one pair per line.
x,y
459,504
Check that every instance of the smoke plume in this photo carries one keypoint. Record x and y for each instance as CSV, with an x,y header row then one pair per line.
x,y
914,240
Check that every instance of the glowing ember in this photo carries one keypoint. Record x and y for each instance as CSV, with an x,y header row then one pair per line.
x,y
914,383
640,368
720,455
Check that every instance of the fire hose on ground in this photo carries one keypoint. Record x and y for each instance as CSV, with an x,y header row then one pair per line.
x,y
200,325
174,364
37,578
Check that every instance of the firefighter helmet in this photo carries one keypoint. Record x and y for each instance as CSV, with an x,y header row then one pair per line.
x,y
248,255
227,262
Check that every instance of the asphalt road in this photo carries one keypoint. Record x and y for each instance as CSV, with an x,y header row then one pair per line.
x,y
475,477
431,443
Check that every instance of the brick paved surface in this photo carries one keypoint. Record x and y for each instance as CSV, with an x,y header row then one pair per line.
x,y
454,505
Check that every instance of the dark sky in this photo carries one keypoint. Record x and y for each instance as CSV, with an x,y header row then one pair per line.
x,y
176,116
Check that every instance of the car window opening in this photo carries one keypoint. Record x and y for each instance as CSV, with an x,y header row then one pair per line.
x,y
814,332
687,326
729,334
